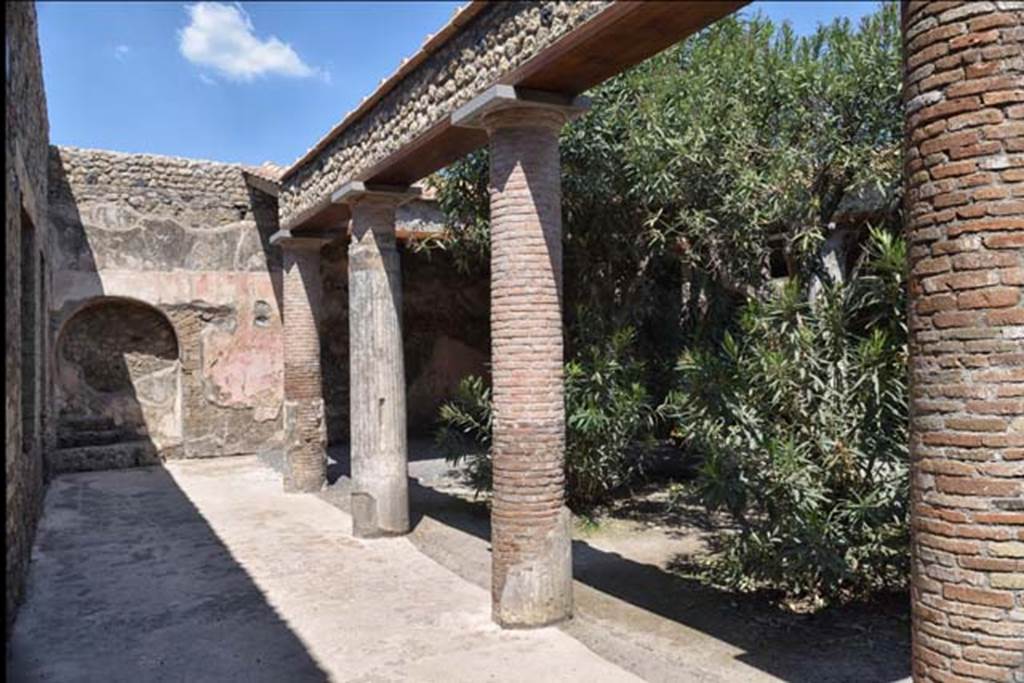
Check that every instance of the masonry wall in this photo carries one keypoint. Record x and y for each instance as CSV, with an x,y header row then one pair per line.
x,y
26,291
189,242
446,329
190,239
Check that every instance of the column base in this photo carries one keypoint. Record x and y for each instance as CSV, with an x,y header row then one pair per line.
x,y
380,516
305,456
304,484
537,592
517,626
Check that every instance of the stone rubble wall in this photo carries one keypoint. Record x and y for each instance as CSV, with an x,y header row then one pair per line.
x,y
500,39
26,144
191,239
155,213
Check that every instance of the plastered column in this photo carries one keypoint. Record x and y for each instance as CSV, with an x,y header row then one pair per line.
x,y
380,489
305,466
964,101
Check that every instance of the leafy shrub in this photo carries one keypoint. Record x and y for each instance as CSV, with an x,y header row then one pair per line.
x,y
609,416
701,154
676,184
801,417
464,433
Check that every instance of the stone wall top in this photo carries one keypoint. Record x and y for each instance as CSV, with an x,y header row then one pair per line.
x,y
201,194
143,212
447,73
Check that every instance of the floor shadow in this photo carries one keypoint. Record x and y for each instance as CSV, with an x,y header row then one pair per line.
x,y
854,643
130,583
851,643
339,460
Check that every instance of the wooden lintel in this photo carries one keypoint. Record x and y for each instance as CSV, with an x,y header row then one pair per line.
x,y
625,34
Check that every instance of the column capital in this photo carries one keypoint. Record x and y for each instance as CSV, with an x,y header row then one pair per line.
x,y
356,191
313,240
506,105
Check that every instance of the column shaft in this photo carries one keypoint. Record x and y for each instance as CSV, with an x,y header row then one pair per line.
x,y
380,498
305,431
964,179
530,525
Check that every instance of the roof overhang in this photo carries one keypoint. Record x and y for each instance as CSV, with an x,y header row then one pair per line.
x,y
624,34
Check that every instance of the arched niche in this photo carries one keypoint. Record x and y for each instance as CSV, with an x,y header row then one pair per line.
x,y
118,376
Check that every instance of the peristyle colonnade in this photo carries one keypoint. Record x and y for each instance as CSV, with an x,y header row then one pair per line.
x,y
964,213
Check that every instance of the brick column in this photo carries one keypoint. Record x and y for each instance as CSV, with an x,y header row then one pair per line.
x,y
531,539
305,431
964,175
380,488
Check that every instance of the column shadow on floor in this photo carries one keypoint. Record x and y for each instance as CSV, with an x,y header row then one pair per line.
x,y
855,643
130,583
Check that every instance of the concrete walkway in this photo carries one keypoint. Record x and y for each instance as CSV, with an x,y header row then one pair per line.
x,y
206,571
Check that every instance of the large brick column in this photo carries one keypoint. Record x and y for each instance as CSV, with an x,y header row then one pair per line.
x,y
379,447
964,98
305,430
531,574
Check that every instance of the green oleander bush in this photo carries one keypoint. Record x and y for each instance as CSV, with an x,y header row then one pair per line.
x,y
730,213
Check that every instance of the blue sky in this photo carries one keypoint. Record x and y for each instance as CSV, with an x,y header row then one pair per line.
x,y
249,82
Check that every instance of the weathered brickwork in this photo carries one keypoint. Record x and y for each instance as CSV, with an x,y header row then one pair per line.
x,y
305,429
502,37
532,566
27,287
964,95
191,239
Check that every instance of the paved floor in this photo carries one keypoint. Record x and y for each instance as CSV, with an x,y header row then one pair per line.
x,y
205,571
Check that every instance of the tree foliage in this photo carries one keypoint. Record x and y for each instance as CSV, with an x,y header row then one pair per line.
x,y
676,185
801,419
609,413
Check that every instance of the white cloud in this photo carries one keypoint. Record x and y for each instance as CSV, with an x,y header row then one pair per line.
x,y
207,80
221,36
121,52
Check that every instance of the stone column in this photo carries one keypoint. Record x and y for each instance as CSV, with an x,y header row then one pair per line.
x,y
380,489
964,179
305,466
531,550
